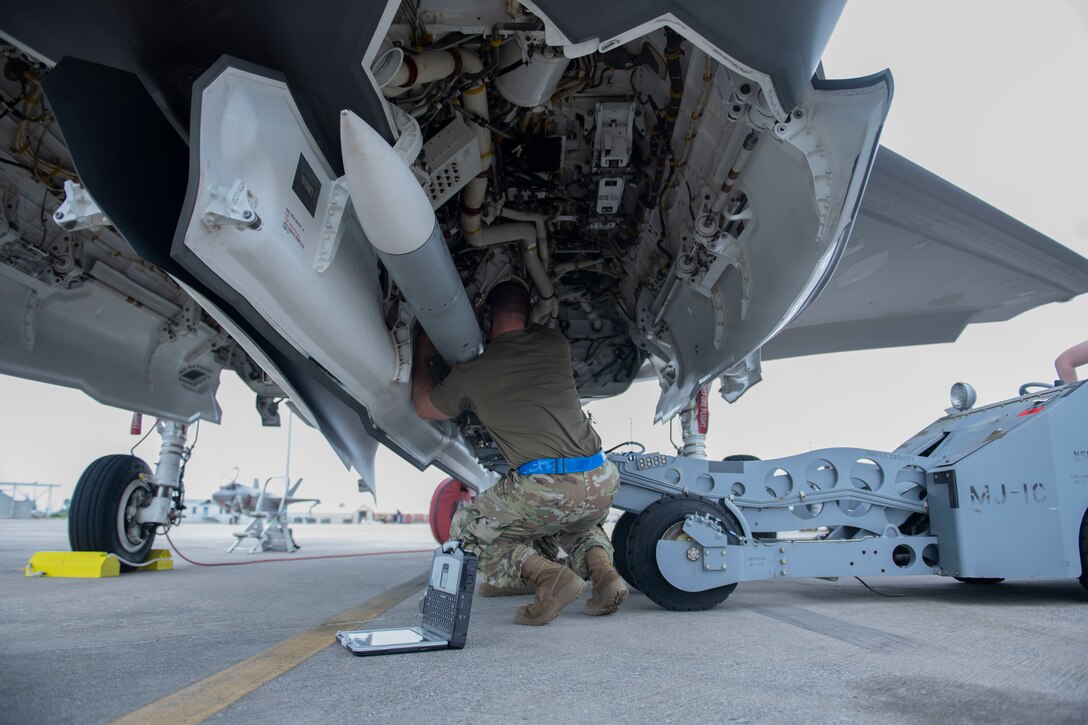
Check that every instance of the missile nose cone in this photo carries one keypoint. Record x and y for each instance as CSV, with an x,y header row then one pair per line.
x,y
392,207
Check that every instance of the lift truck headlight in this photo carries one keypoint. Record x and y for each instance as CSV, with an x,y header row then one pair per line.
x,y
963,396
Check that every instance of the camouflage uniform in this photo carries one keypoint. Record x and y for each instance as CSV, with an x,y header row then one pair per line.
x,y
501,525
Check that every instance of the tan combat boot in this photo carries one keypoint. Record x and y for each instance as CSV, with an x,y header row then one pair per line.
x,y
556,587
609,591
490,590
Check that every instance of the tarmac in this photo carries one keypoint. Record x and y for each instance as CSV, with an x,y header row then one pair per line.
x,y
255,643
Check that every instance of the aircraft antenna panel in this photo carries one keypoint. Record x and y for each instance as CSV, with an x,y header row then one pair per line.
x,y
452,159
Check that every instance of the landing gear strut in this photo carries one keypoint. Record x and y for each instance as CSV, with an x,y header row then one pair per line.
x,y
694,421
118,504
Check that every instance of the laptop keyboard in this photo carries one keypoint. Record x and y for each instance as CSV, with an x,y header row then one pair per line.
x,y
440,612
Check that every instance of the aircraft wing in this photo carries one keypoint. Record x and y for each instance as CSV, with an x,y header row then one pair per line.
x,y
924,260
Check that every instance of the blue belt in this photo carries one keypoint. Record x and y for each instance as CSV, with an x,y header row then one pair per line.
x,y
561,465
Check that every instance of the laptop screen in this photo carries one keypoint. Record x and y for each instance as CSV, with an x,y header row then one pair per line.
x,y
385,637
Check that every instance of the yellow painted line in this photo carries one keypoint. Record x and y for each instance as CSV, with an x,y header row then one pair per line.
x,y
199,701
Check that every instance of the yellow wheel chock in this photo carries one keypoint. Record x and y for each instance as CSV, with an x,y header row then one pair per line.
x,y
90,564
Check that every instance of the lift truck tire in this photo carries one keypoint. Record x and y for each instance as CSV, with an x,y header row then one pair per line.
x,y
104,504
620,534
664,520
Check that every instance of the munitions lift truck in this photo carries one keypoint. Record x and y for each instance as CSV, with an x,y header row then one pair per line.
x,y
980,494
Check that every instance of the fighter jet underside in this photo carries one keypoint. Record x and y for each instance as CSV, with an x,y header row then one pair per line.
x,y
673,181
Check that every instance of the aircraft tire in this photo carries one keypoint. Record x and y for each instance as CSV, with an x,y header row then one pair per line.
x,y
620,533
664,519
103,504
448,498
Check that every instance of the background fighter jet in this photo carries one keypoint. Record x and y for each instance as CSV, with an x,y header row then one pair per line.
x,y
241,499
291,194
269,527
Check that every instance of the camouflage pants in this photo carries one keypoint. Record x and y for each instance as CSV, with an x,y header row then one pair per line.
x,y
501,525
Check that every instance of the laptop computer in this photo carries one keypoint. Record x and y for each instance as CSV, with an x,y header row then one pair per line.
x,y
445,607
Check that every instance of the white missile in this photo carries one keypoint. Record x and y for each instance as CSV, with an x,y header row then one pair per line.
x,y
392,207
397,219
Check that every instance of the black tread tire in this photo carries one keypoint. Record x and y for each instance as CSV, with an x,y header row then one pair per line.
x,y
648,528
620,534
92,515
980,580
1084,551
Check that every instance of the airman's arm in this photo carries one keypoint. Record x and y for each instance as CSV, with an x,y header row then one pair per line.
x,y
421,381
1070,360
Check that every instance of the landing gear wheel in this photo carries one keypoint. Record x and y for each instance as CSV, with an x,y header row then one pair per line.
x,y
980,580
102,516
620,534
664,520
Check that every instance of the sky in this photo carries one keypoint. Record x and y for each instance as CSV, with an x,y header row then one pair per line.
x,y
988,95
